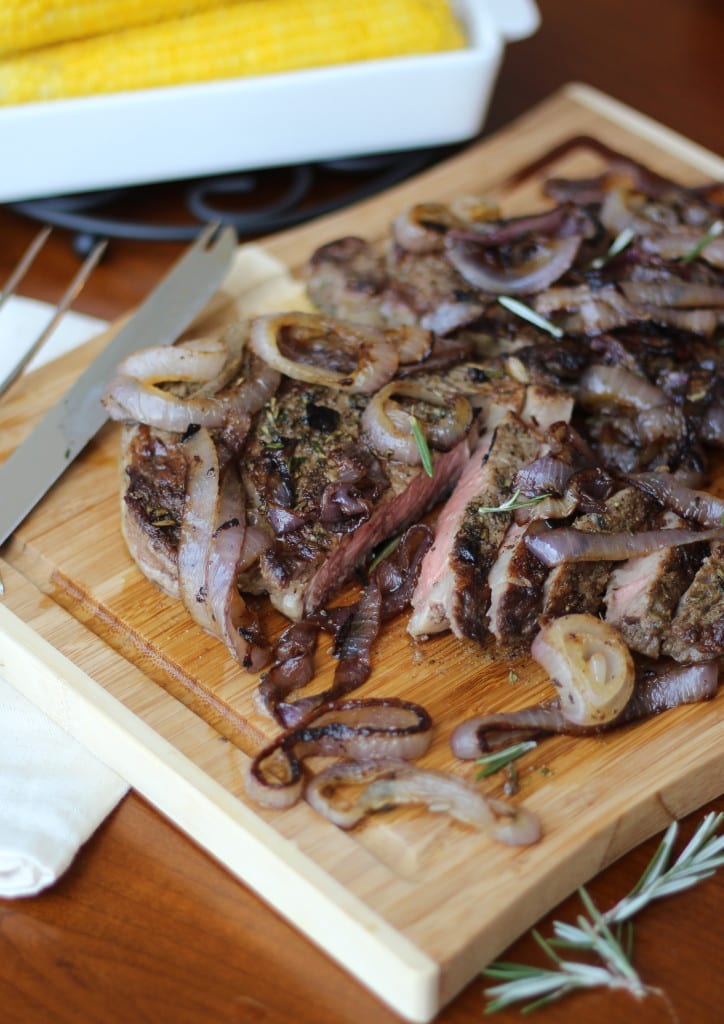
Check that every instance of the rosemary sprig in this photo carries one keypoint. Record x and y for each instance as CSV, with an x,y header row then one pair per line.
x,y
622,239
513,502
422,445
492,763
699,860
526,313
714,231
521,982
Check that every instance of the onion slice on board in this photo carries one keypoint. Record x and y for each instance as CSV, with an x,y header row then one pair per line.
x,y
391,783
355,729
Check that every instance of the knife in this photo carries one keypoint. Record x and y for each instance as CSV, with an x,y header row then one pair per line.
x,y
70,424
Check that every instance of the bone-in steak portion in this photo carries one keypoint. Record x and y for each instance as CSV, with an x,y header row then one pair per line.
x,y
697,629
324,496
453,591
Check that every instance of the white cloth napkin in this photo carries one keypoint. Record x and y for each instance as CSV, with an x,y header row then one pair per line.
x,y
53,793
53,796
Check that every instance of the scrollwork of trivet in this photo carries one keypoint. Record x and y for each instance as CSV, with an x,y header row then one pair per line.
x,y
266,200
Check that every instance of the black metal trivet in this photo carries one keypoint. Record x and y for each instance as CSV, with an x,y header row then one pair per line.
x,y
255,203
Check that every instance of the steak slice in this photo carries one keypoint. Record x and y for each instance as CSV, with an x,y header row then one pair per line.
x,y
642,593
381,284
574,587
347,278
453,590
516,591
323,495
697,629
153,490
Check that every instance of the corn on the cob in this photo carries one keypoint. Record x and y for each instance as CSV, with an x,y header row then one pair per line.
x,y
29,24
250,37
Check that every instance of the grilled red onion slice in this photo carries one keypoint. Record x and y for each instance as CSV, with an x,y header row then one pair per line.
x,y
131,398
391,783
353,647
422,228
355,729
568,545
232,621
657,689
699,506
389,427
199,360
197,523
551,260
367,358
211,548
590,666
293,665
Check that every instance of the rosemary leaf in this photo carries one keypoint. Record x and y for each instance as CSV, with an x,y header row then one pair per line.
x,y
514,502
622,239
492,763
526,313
422,445
714,231
385,551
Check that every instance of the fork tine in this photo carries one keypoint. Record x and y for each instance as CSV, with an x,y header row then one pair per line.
x,y
24,264
69,295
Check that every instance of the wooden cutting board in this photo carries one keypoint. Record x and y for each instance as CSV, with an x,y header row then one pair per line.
x,y
410,903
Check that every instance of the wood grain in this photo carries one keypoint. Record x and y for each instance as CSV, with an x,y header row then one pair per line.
x,y
392,900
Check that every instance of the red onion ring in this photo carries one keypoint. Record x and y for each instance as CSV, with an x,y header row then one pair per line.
x,y
389,429
552,260
391,783
569,545
372,350
699,506
356,729
199,515
233,622
200,360
658,689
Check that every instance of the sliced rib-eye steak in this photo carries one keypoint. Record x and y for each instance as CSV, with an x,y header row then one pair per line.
x,y
574,587
324,496
642,593
697,629
453,591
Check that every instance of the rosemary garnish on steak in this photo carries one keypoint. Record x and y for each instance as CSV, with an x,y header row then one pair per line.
x,y
526,313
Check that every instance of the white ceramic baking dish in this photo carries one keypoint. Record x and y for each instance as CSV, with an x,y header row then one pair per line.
x,y
325,113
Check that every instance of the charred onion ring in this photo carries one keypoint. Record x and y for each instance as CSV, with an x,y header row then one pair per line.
x,y
567,544
356,729
370,354
391,783
589,665
389,427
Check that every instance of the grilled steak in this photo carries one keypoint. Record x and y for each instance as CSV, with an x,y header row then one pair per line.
x,y
697,629
453,591
516,587
580,586
642,593
326,498
153,469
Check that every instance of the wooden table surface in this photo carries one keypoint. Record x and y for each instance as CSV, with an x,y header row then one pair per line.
x,y
145,927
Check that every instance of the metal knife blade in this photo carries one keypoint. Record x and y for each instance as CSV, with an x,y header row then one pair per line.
x,y
70,424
